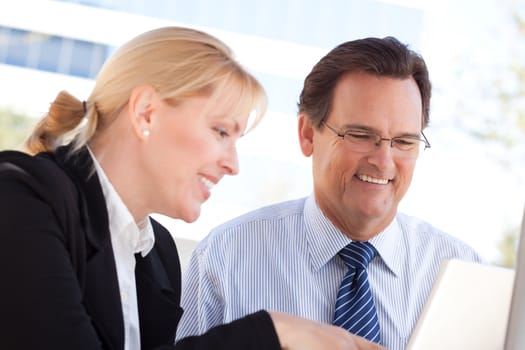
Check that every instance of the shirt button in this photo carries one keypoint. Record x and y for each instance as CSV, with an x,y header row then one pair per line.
x,y
124,296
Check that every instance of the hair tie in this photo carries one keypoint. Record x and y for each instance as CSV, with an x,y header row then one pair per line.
x,y
84,106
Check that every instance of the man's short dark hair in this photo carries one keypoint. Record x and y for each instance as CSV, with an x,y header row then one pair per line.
x,y
382,57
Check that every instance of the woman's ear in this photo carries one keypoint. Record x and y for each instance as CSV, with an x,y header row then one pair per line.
x,y
140,106
306,135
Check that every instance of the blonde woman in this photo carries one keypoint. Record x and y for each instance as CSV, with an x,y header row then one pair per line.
x,y
83,265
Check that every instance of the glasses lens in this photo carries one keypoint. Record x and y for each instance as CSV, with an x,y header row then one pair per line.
x,y
407,143
408,147
362,141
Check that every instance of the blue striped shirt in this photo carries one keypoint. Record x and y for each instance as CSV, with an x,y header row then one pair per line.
x,y
284,257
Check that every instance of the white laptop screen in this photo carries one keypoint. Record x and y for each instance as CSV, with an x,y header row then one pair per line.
x,y
515,339
475,306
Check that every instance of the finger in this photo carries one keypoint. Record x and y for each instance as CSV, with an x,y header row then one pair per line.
x,y
363,344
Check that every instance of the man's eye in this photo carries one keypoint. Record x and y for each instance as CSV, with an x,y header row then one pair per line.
x,y
359,135
405,141
222,132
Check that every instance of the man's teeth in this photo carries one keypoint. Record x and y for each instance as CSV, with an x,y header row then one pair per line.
x,y
367,178
207,183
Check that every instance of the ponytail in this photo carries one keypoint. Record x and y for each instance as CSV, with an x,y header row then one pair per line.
x,y
63,122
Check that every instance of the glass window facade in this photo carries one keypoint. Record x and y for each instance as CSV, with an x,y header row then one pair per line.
x,y
51,53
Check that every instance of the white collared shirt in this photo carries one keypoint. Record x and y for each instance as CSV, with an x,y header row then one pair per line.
x,y
284,257
127,239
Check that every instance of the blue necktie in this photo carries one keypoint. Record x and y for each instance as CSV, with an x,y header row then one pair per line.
x,y
355,310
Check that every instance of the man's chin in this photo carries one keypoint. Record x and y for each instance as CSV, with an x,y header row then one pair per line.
x,y
375,212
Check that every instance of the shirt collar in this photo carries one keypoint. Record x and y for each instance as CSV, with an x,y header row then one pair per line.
x,y
325,240
138,238
388,245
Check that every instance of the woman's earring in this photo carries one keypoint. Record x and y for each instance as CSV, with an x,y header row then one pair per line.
x,y
145,132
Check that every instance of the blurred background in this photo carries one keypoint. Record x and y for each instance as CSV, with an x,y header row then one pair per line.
x,y
471,183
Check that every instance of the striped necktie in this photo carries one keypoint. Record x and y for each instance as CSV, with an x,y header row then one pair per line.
x,y
355,310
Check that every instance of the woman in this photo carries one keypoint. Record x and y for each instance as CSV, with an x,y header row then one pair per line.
x,y
84,267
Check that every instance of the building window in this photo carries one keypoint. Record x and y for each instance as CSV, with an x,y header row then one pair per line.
x,y
51,53
14,45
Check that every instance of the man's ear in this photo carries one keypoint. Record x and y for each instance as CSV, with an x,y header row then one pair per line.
x,y
140,106
306,135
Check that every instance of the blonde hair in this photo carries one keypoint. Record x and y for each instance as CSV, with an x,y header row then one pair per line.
x,y
178,62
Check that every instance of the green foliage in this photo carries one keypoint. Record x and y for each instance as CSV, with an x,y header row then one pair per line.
x,y
14,129
512,107
494,113
507,247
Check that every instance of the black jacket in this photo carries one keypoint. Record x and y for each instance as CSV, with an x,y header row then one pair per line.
x,y
59,286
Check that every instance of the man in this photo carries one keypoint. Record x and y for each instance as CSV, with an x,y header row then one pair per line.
x,y
362,113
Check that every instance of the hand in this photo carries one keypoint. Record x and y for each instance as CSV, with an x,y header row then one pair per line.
x,y
299,333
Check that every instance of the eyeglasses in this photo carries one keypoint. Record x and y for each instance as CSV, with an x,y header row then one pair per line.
x,y
365,141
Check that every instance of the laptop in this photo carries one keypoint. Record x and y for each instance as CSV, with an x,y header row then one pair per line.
x,y
515,337
474,306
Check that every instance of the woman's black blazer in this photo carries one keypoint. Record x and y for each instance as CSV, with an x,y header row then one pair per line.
x,y
59,287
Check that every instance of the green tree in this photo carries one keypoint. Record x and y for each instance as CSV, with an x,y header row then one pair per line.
x,y
14,128
497,113
507,248
513,105
494,111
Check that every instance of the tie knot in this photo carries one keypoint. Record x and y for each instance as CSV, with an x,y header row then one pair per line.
x,y
358,254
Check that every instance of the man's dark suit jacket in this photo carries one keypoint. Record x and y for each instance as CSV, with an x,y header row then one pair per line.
x,y
59,286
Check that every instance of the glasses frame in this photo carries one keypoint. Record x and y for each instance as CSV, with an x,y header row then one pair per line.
x,y
380,138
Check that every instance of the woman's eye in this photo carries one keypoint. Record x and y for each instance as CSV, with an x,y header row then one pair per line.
x,y
222,132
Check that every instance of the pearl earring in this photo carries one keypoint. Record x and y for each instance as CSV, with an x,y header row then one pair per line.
x,y
145,132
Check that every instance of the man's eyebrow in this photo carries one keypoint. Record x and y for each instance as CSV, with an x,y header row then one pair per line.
x,y
358,127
